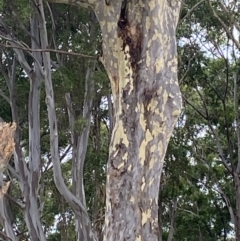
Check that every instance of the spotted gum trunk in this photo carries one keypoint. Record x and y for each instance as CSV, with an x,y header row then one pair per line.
x,y
139,54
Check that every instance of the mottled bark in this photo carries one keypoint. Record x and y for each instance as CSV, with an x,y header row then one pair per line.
x,y
139,54
140,57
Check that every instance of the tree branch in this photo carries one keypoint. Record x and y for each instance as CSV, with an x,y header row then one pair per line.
x,y
49,50
194,107
19,204
225,27
190,11
236,107
75,203
4,236
4,97
230,15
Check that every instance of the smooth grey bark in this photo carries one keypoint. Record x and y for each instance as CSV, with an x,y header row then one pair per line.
x,y
236,175
28,178
76,203
20,164
79,149
200,235
160,212
173,210
5,212
32,214
237,188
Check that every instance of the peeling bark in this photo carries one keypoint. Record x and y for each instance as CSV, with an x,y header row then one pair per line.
x,y
140,57
139,54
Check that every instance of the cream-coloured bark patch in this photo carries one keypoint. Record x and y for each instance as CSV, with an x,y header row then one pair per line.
x,y
139,238
153,105
176,112
148,59
119,135
121,165
130,168
151,181
165,97
132,199
102,23
143,183
148,23
159,65
146,216
152,162
142,149
151,5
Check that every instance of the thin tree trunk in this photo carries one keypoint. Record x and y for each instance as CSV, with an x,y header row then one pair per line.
x,y
160,212
237,171
173,210
28,177
200,234
5,213
77,204
31,191
79,145
27,181
237,222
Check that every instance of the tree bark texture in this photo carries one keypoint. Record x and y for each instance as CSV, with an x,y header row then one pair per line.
x,y
173,210
140,57
28,177
139,54
79,149
84,229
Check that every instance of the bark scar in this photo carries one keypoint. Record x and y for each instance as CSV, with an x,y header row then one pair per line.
x,y
131,35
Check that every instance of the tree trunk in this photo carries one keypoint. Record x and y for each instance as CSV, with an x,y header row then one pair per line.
x,y
139,54
237,222
160,212
140,57
28,178
75,201
31,190
173,209
79,149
